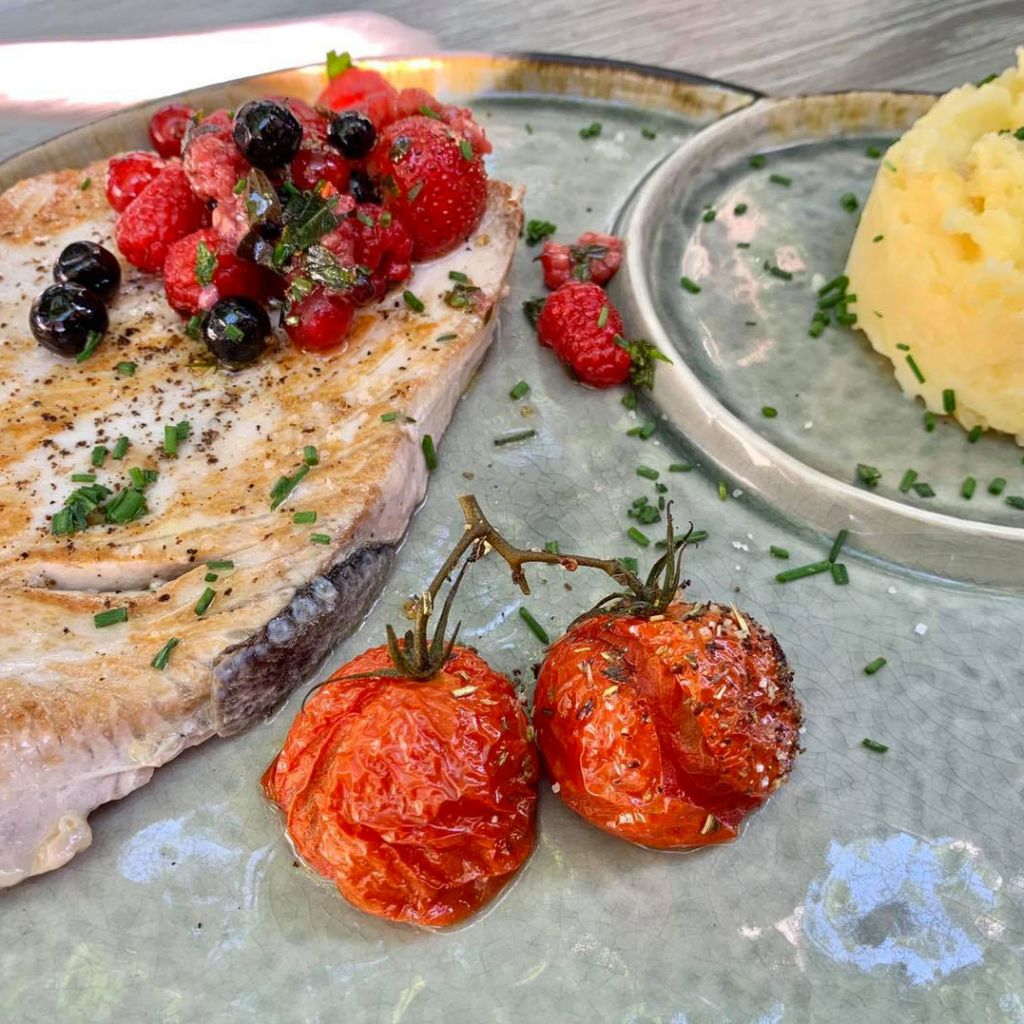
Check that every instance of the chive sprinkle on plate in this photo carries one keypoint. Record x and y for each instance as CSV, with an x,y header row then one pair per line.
x,y
878,748
535,627
162,657
777,552
111,617
873,666
520,389
205,600
803,571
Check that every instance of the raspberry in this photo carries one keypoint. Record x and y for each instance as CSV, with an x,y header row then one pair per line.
x,y
351,86
231,277
574,323
164,211
167,128
314,163
213,162
433,182
128,174
592,257
319,321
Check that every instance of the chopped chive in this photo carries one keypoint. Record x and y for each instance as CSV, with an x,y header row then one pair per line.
x,y
908,480
758,160
446,337
986,79
466,149
648,133
723,490
839,284
783,275
924,490
286,484
889,166
221,565
111,617
802,571
535,627
521,388
92,340
848,201
99,455
742,245
640,538
417,187
457,275
739,209
839,574
1015,501
591,131
780,179
304,517
429,454
688,284
661,488
519,435
817,328
319,538
777,552
997,486
551,547
873,151
837,544
878,748
769,412
538,230
873,666
159,662
170,439
903,348
878,238
388,417
680,467
412,301
974,434
85,183
929,420
868,474
211,577
602,317
125,369
193,325
630,564
967,487
310,456
647,472
949,400
709,215
205,600
629,399
83,478
643,432
912,363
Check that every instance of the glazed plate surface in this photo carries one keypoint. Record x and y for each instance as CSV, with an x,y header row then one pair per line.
x,y
887,887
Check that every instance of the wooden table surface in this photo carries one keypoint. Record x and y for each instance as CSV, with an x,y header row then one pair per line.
x,y
773,45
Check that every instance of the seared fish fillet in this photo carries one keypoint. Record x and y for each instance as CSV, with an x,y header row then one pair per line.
x,y
84,718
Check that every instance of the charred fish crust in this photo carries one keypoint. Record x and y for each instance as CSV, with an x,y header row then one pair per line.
x,y
253,677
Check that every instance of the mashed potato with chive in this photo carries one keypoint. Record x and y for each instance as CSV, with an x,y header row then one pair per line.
x,y
938,260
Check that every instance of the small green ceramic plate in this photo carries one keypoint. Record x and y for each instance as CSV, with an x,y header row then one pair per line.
x,y
873,886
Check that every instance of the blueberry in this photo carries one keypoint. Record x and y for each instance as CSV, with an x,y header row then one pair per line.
x,y
364,189
268,134
64,316
352,134
91,266
236,331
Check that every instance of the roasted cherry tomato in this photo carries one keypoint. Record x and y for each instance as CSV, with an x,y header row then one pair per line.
x,y
417,798
667,730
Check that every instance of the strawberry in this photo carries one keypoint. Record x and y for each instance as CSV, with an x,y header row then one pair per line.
x,y
167,128
164,211
433,182
592,257
128,174
196,279
580,323
344,91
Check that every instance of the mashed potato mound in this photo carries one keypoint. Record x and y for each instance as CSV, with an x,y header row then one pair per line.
x,y
938,260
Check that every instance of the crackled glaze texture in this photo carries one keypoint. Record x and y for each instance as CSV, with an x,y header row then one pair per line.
x,y
871,887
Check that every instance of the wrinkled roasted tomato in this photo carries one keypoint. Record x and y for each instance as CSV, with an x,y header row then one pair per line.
x,y
417,798
667,730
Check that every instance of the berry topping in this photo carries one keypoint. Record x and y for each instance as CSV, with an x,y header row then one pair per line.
x,y
64,316
592,257
91,266
320,320
167,128
364,189
352,134
352,85
268,134
236,331
128,175
167,209
212,161
313,164
579,322
202,267
433,181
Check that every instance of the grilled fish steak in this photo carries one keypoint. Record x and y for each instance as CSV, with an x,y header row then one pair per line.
x,y
84,717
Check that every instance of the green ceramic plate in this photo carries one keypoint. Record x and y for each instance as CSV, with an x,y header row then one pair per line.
x,y
885,887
